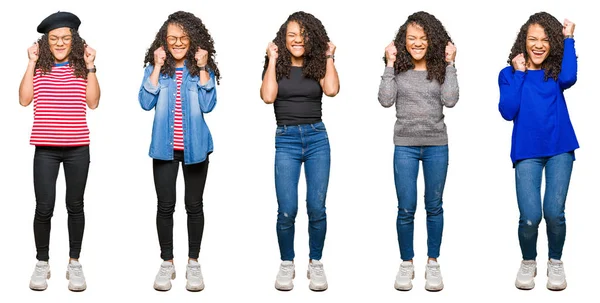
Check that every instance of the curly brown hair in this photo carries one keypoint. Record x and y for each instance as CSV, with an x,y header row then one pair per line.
x,y
76,59
315,46
199,37
437,38
553,30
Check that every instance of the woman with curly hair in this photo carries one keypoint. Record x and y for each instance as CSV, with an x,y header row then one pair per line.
x,y
543,64
420,79
299,68
61,81
179,84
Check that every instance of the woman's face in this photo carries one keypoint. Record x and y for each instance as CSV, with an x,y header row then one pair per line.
x,y
294,42
60,41
416,42
178,42
537,45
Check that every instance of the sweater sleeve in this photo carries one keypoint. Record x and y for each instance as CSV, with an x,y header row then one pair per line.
x,y
387,88
450,87
511,85
568,71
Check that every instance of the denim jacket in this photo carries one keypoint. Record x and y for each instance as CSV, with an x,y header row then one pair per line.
x,y
196,99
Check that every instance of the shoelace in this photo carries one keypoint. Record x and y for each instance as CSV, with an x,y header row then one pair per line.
x,y
40,270
76,270
286,271
404,270
557,269
527,269
317,270
194,270
434,271
164,271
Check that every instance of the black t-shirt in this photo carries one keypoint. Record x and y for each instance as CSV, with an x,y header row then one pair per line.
x,y
298,99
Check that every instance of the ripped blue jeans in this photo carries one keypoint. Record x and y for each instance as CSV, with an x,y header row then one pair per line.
x,y
528,178
406,170
294,145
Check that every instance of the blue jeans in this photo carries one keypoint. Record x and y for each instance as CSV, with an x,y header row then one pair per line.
x,y
528,176
406,170
294,145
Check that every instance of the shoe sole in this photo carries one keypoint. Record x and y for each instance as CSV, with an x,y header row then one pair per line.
x,y
162,288
286,287
555,287
40,288
314,287
75,288
405,288
194,288
432,288
526,286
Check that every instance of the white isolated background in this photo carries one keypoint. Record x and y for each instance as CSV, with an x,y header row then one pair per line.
x,y
480,252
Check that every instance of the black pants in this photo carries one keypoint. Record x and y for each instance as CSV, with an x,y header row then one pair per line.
x,y
165,178
46,163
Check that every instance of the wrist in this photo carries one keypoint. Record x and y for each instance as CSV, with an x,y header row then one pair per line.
x,y
91,69
90,66
569,36
450,63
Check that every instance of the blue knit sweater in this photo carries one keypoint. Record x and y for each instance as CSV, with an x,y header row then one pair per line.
x,y
541,123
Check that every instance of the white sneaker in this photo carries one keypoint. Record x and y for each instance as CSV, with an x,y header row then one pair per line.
x,y
433,276
40,274
75,276
164,276
527,272
556,275
285,276
316,274
193,274
405,275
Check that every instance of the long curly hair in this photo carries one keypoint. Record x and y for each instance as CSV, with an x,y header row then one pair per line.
x,y
46,59
553,30
315,46
199,37
437,38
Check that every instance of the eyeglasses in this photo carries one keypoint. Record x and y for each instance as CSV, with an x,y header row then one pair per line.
x,y
65,39
172,39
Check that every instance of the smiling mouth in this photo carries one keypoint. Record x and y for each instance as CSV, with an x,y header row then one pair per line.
x,y
538,53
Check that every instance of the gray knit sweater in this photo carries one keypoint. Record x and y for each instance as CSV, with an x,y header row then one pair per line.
x,y
419,105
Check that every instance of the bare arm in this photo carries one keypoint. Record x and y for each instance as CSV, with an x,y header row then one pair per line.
x,y
269,87
26,87
92,92
331,82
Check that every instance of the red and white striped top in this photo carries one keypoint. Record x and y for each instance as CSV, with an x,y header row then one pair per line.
x,y
59,108
178,127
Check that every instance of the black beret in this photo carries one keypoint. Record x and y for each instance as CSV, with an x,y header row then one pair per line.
x,y
57,20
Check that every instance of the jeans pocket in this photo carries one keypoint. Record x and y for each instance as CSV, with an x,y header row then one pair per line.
x,y
280,131
319,127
